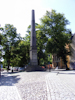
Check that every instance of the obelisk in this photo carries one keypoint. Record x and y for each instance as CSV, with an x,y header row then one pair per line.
x,y
33,47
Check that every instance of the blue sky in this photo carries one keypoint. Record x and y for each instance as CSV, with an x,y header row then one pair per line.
x,y
18,12
67,7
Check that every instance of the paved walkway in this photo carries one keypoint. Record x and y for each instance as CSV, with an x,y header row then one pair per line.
x,y
61,87
8,90
54,85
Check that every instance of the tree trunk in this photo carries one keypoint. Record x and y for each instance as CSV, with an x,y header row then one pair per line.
x,y
8,66
67,67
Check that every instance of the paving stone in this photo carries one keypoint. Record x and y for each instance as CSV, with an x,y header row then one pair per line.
x,y
38,86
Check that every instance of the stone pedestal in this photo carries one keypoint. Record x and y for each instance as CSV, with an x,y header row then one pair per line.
x,y
33,57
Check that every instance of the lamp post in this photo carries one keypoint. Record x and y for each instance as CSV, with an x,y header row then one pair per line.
x,y
49,62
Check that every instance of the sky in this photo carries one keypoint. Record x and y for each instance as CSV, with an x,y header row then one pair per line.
x,y
18,12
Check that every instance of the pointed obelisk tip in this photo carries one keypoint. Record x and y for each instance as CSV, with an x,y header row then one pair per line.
x,y
33,16
32,9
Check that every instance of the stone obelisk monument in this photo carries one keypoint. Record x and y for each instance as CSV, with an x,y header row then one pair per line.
x,y
33,47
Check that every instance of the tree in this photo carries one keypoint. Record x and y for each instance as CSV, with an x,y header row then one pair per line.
x,y
20,54
50,58
41,40
10,40
54,26
1,41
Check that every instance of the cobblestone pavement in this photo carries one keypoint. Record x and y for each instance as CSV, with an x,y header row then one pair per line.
x,y
54,85
32,85
61,85
8,90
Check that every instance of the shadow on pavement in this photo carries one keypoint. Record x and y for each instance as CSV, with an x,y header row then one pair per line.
x,y
66,73
13,72
61,71
6,80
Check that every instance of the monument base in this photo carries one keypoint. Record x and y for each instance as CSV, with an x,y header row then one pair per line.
x,y
31,68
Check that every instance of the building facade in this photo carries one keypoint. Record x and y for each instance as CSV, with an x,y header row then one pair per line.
x,y
70,59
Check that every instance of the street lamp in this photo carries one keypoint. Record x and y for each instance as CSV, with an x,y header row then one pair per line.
x,y
49,62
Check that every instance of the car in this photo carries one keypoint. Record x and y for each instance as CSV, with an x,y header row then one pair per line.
x,y
1,69
14,68
21,69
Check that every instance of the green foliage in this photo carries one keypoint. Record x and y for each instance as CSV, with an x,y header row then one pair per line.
x,y
1,41
10,40
52,37
50,58
41,40
20,54
1,37
16,49
54,26
4,63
